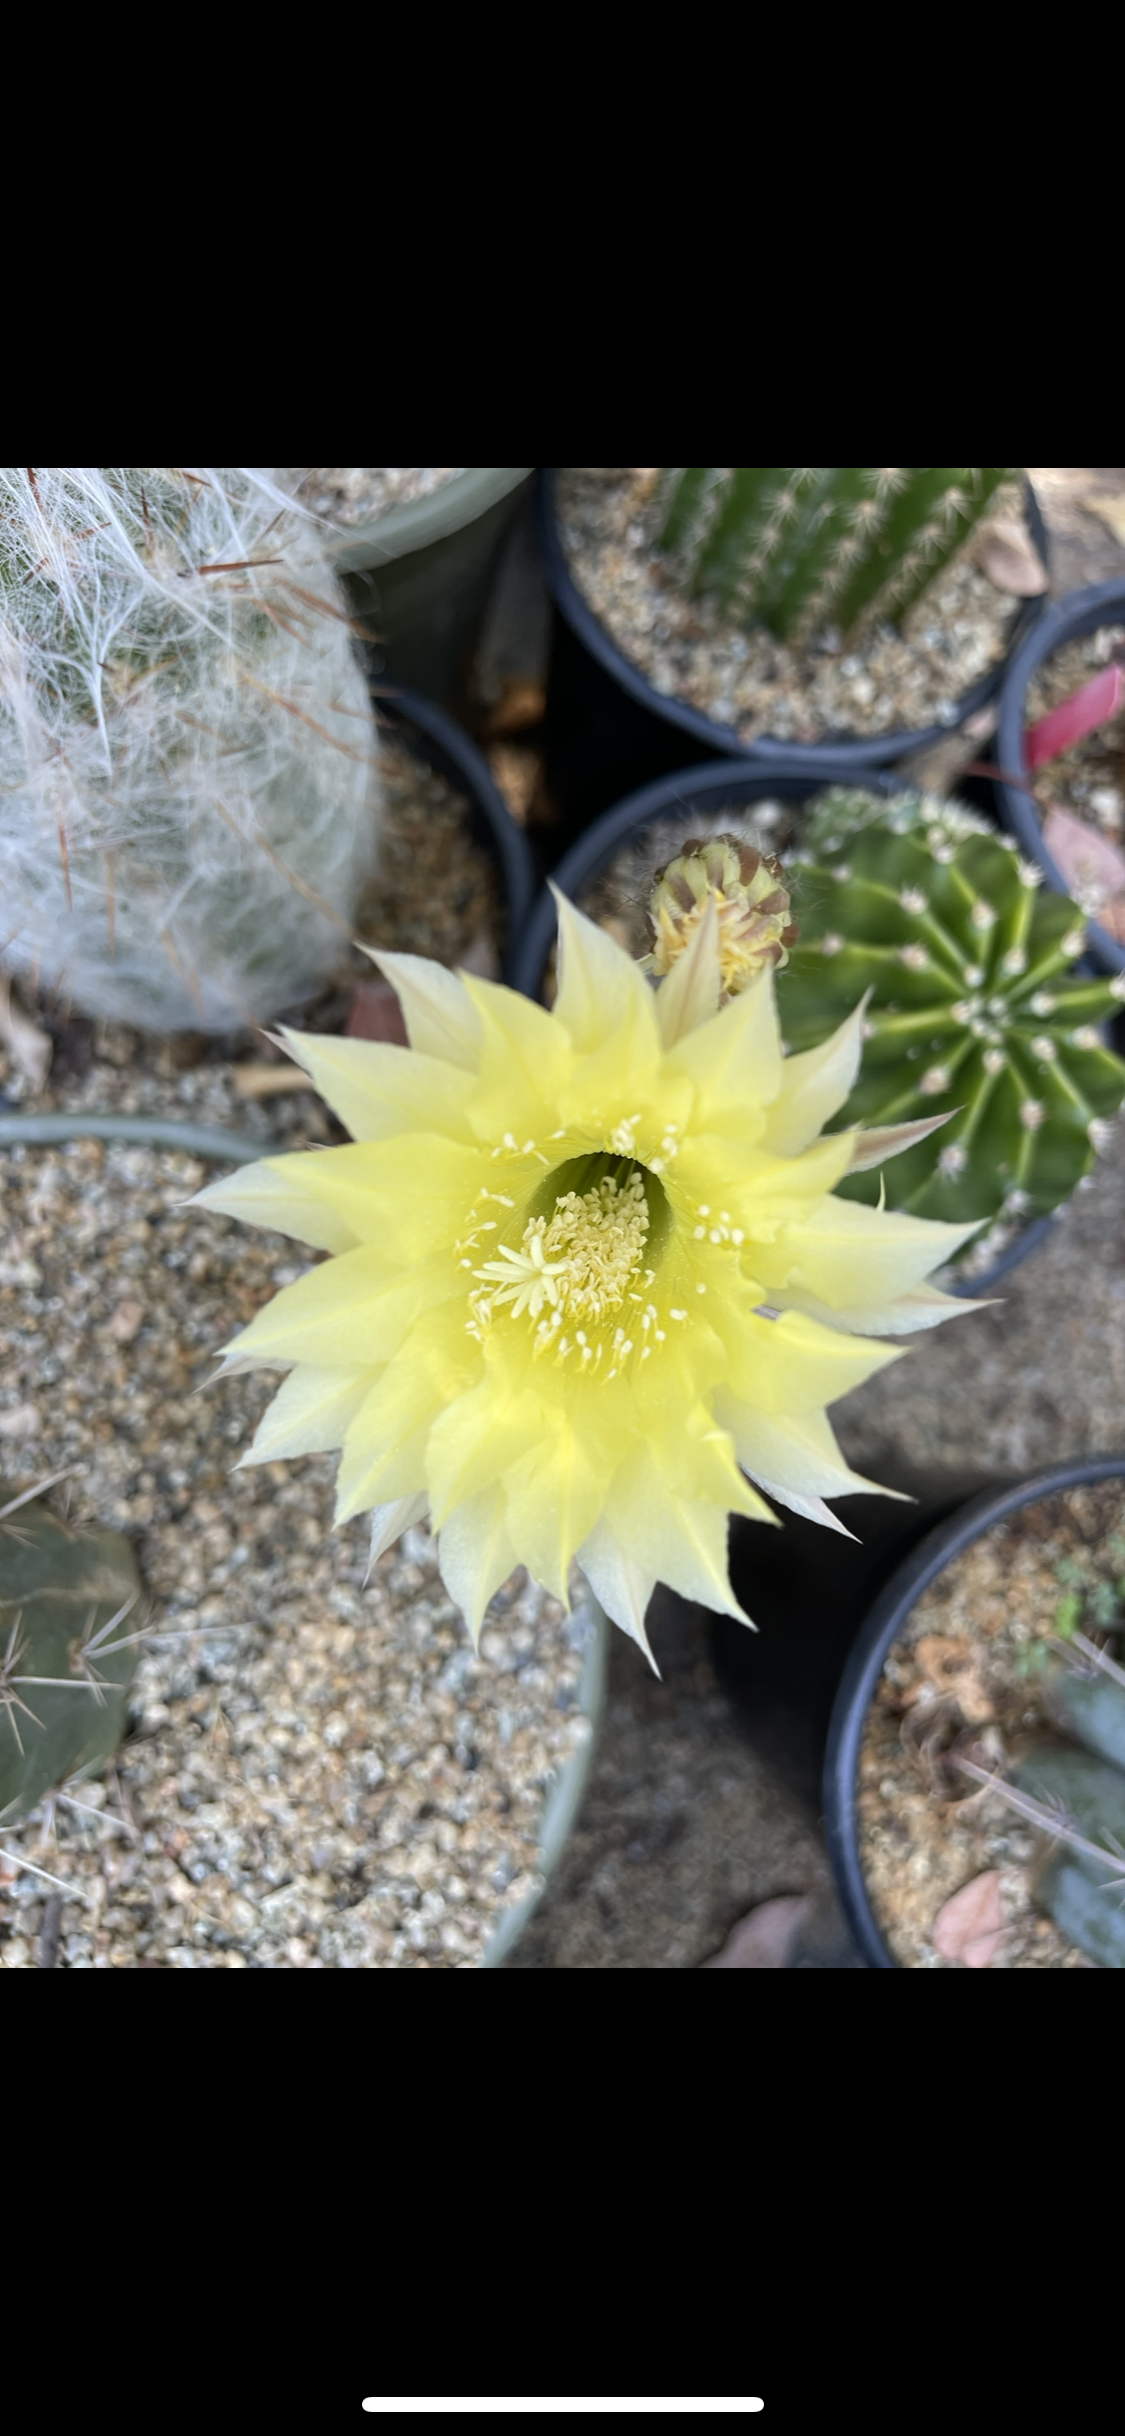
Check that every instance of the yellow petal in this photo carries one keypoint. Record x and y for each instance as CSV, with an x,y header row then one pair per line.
x,y
621,1583
814,1084
601,991
385,1450
690,994
923,1307
525,1058
476,1554
755,1186
795,1457
684,1542
849,1255
410,1196
388,1522
793,1364
273,1193
554,1494
441,1020
476,1438
309,1414
346,1314
377,1088
735,1060
700,1465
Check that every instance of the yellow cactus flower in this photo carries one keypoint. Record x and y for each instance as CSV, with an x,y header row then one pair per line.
x,y
587,1273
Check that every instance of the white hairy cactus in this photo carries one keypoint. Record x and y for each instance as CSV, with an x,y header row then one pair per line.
x,y
188,773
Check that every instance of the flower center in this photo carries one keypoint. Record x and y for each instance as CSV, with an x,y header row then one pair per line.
x,y
580,1260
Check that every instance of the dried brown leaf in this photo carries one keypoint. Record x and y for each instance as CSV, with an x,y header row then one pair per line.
x,y
970,1927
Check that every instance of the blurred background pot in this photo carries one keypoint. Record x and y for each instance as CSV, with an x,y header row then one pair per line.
x,y
437,738
609,731
419,578
1079,614
895,1585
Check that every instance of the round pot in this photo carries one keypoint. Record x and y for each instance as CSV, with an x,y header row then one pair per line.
x,y
902,1587
607,729
1081,613
711,787
437,738
419,577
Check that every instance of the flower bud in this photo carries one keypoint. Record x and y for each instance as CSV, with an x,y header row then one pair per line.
x,y
752,901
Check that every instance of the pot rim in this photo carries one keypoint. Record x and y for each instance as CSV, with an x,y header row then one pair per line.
x,y
1075,615
454,753
378,542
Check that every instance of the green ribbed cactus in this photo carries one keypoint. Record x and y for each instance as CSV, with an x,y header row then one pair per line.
x,y
68,1649
800,547
974,1005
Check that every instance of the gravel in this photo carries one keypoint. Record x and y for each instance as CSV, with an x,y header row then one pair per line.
x,y
609,521
436,891
359,494
316,1773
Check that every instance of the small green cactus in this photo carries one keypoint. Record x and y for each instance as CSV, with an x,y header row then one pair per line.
x,y
68,1649
798,547
973,1005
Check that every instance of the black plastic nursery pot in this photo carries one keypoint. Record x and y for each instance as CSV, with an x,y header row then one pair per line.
x,y
607,730
436,737
419,578
893,1600
713,788
809,1590
1079,614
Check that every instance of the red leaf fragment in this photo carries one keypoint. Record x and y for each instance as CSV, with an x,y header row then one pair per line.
x,y
1078,716
375,1014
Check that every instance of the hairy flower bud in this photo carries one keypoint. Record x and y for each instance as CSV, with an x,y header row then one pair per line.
x,y
752,902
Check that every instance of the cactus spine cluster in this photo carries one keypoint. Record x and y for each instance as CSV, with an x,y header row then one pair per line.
x,y
800,547
1078,1783
187,749
973,1005
68,1649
